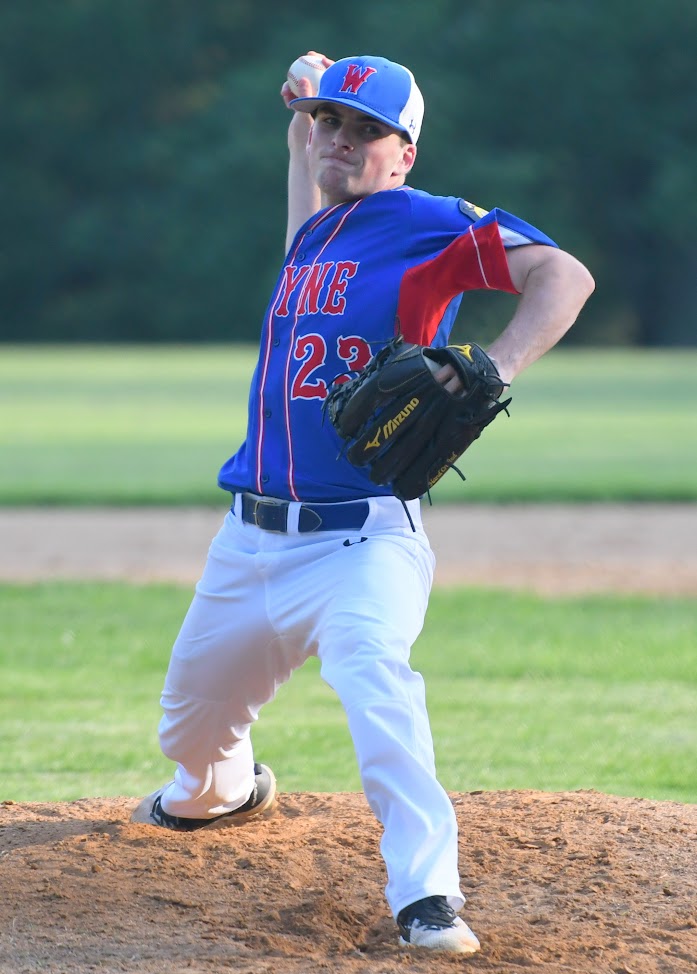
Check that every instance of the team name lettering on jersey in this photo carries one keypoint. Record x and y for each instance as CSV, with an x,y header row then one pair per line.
x,y
319,288
355,77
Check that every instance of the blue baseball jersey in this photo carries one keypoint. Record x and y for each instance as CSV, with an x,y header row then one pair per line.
x,y
357,274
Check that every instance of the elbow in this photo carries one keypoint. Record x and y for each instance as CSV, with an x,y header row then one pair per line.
x,y
572,277
580,278
587,282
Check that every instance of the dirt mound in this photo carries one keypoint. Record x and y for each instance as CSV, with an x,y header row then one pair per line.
x,y
556,883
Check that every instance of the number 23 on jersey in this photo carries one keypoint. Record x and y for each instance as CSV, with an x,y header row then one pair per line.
x,y
311,350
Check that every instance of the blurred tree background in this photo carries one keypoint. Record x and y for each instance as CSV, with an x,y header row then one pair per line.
x,y
144,152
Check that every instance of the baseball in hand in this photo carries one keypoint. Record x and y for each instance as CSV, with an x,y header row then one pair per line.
x,y
308,66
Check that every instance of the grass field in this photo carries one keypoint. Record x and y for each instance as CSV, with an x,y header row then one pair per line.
x,y
524,693
585,693
128,425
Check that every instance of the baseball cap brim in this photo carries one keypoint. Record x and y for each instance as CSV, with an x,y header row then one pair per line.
x,y
312,104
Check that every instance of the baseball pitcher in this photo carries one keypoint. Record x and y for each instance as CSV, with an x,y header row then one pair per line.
x,y
357,407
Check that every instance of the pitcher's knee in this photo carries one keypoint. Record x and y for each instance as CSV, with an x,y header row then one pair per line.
x,y
365,675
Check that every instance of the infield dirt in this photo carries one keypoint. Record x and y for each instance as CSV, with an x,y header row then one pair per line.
x,y
555,883
552,549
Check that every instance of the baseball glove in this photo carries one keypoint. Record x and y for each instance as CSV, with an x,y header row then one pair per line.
x,y
401,423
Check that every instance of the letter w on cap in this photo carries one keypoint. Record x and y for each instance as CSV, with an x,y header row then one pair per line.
x,y
355,77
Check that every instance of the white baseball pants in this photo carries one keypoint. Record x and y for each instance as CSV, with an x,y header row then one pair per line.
x,y
265,603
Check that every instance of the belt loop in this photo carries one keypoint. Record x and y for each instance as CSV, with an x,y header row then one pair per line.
x,y
373,511
293,517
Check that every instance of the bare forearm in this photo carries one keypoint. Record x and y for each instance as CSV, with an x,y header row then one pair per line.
x,y
554,287
303,193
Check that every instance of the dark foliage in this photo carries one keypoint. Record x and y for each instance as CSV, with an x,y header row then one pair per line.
x,y
144,153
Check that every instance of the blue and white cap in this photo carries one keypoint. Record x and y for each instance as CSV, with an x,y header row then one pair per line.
x,y
373,85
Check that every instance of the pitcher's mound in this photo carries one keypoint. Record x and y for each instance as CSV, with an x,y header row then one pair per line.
x,y
556,883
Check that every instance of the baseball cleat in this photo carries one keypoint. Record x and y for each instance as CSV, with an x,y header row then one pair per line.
x,y
432,923
260,802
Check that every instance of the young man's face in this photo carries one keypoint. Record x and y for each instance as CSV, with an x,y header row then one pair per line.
x,y
354,155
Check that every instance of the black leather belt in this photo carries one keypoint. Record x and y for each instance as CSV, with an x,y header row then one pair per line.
x,y
272,515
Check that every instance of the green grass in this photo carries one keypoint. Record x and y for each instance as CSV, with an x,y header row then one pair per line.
x,y
595,692
120,425
129,425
